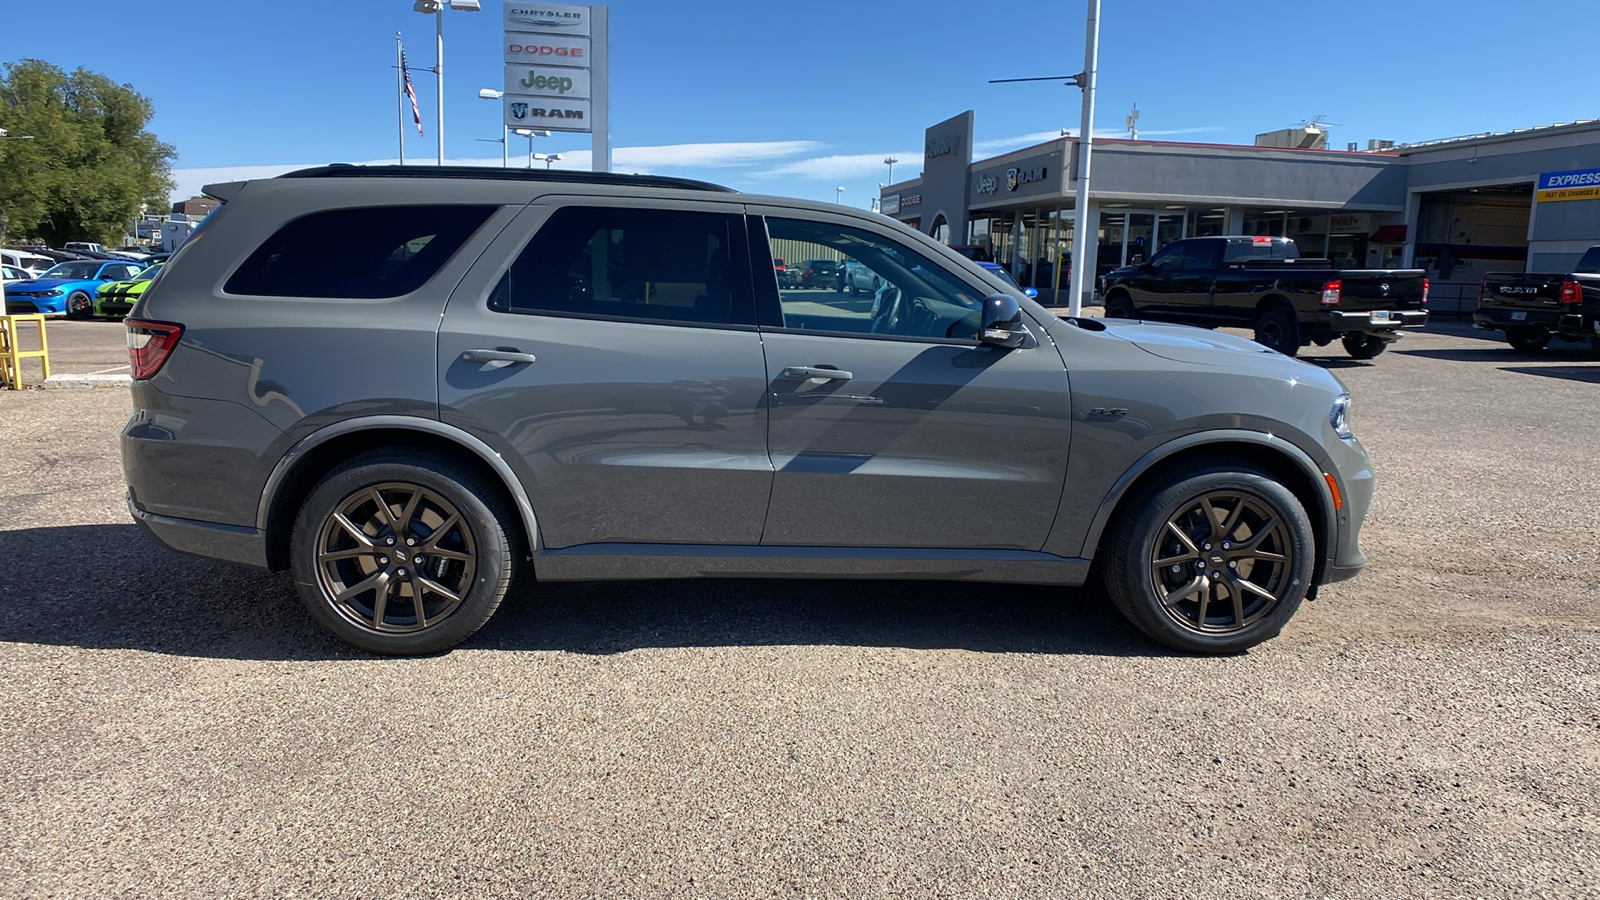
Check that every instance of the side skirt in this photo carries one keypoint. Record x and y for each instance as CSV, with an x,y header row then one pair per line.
x,y
615,562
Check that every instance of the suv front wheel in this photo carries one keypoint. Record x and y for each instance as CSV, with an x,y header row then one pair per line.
x,y
402,552
1214,559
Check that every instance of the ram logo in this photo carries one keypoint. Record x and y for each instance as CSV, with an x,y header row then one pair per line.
x,y
519,111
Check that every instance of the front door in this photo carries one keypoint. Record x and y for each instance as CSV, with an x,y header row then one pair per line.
x,y
891,426
612,351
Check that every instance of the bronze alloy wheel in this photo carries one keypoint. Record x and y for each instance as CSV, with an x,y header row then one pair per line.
x,y
395,558
1222,563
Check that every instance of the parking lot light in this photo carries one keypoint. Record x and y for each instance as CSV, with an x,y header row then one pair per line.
x,y
436,9
505,132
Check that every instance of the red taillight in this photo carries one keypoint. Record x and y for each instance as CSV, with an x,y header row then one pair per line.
x,y
1330,293
1571,293
1425,292
149,345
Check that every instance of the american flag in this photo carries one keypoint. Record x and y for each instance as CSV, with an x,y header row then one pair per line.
x,y
405,75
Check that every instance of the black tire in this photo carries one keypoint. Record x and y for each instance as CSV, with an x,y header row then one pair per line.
x,y
1279,329
79,305
1527,340
1141,552
1120,306
1363,346
477,571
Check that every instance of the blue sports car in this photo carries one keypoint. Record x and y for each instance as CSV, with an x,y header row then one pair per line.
x,y
66,288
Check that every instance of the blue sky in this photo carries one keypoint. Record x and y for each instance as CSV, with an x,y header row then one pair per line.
x,y
798,99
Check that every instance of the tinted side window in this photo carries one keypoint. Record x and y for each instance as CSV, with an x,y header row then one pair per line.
x,y
367,253
1170,256
1590,261
629,263
1201,256
1239,251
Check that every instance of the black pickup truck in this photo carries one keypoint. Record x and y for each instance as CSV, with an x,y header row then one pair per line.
x,y
1532,308
1264,283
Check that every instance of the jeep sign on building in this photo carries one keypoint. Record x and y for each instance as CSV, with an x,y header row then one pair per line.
x,y
555,75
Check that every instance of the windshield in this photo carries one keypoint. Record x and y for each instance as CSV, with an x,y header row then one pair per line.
x,y
77,269
149,273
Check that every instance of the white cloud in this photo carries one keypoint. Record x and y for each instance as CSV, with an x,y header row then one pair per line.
x,y
1001,145
623,159
854,165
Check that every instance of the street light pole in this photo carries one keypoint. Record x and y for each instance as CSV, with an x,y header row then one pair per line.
x,y
505,130
890,161
436,8
836,193
1083,269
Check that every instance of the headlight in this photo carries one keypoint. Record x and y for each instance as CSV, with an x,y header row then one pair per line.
x,y
51,294
1340,417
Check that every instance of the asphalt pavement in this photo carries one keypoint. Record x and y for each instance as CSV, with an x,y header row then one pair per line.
x,y
172,727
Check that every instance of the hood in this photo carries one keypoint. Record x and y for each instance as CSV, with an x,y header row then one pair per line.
x,y
1185,343
43,284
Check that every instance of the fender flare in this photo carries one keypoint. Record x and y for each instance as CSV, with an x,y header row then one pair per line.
x,y
1287,449
457,436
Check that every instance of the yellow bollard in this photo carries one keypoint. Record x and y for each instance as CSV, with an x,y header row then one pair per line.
x,y
12,354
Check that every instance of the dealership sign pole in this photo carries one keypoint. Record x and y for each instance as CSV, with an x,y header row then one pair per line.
x,y
557,67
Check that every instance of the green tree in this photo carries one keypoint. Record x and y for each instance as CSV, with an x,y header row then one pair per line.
x,y
91,164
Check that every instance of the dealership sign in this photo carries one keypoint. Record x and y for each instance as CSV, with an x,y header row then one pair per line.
x,y
1577,184
889,205
553,80
542,81
551,51
547,18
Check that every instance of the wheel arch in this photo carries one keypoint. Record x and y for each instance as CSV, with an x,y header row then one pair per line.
x,y
318,453
1279,458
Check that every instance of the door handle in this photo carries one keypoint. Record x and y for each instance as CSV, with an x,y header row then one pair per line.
x,y
508,355
806,373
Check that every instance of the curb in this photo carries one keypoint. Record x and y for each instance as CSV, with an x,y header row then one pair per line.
x,y
87,381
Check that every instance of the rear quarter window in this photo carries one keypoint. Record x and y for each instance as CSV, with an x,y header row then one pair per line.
x,y
367,253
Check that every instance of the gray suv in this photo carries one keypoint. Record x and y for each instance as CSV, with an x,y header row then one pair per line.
x,y
405,386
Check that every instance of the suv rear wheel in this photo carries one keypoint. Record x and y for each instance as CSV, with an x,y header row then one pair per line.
x,y
1214,559
402,552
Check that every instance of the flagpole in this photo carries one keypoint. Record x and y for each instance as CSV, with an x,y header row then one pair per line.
x,y
400,96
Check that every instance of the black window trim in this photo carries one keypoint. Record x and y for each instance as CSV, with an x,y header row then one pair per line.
x,y
743,311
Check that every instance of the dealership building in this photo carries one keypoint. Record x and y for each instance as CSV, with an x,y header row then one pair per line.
x,y
1526,200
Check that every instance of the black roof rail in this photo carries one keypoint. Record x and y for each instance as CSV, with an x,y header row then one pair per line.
x,y
490,173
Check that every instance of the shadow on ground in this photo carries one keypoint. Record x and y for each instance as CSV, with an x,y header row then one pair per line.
x,y
1590,374
108,587
1501,353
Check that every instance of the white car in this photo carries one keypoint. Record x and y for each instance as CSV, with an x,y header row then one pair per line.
x,y
12,273
28,262
860,279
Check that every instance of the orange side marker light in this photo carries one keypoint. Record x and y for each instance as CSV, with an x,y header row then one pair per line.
x,y
1333,488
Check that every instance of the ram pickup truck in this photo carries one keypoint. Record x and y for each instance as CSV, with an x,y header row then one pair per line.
x,y
1264,283
1532,308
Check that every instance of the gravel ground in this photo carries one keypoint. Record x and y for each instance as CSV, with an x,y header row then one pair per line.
x,y
172,727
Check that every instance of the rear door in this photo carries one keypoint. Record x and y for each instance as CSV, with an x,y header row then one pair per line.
x,y
609,349
891,426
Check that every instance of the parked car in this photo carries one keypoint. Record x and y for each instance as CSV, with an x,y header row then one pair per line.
x,y
781,271
671,420
1000,272
117,298
1533,308
66,288
1263,282
859,279
83,247
26,261
12,273
819,273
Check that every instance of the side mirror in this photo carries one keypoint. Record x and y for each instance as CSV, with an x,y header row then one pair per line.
x,y
1002,322
1147,268
1030,293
